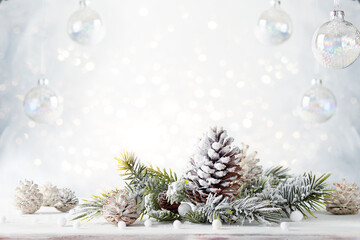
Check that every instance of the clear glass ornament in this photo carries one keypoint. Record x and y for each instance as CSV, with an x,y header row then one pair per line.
x,y
318,103
42,104
85,25
274,25
336,44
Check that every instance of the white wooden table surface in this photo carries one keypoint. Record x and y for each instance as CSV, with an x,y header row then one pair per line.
x,y
43,225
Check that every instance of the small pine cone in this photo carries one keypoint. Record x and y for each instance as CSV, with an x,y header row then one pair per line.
x,y
214,167
164,204
346,199
250,171
67,200
28,198
51,194
120,206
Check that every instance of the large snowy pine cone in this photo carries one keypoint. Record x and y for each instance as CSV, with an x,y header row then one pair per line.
x,y
214,167
250,171
120,207
346,199
50,193
67,200
165,204
28,198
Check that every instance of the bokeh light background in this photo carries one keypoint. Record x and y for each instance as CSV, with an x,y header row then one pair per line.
x,y
164,73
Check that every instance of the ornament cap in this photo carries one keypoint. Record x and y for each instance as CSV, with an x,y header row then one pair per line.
x,y
275,3
43,81
316,81
337,14
84,3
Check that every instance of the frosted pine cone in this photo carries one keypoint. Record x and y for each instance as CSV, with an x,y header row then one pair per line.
x,y
120,207
67,200
346,199
28,198
51,194
250,171
165,204
214,167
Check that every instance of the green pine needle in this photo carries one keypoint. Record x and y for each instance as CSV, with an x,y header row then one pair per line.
x,y
195,216
90,209
278,172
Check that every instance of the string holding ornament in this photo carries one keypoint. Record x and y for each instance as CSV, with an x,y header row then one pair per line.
x,y
42,104
274,25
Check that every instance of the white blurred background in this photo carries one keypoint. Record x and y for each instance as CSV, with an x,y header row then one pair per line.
x,y
164,73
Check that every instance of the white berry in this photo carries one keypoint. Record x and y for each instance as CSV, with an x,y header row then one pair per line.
x,y
148,223
76,225
177,224
284,226
121,225
296,216
184,208
61,221
2,219
216,224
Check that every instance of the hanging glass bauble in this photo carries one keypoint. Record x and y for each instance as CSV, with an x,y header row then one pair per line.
x,y
318,103
336,44
85,25
274,25
42,104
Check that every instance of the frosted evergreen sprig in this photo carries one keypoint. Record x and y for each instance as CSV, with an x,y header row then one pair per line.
x,y
91,208
306,193
235,211
176,192
154,211
144,181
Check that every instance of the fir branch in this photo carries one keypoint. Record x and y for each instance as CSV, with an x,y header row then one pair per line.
x,y
278,172
154,211
256,188
238,210
305,193
163,215
195,216
156,172
90,209
176,192
132,169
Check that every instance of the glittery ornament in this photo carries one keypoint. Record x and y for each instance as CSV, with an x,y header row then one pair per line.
x,y
318,103
336,44
85,25
42,104
274,25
